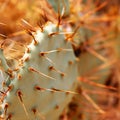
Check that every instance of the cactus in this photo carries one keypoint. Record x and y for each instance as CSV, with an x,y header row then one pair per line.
x,y
42,84
64,6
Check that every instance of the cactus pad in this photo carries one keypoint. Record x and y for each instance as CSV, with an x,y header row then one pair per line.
x,y
41,86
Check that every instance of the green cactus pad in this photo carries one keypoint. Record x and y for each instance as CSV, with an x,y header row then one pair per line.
x,y
40,88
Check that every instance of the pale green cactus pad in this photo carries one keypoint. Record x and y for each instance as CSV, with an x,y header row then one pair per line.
x,y
41,86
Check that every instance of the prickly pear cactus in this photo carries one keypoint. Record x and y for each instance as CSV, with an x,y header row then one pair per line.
x,y
63,4
42,84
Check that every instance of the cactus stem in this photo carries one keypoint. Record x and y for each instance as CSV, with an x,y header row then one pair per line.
x,y
34,70
37,73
